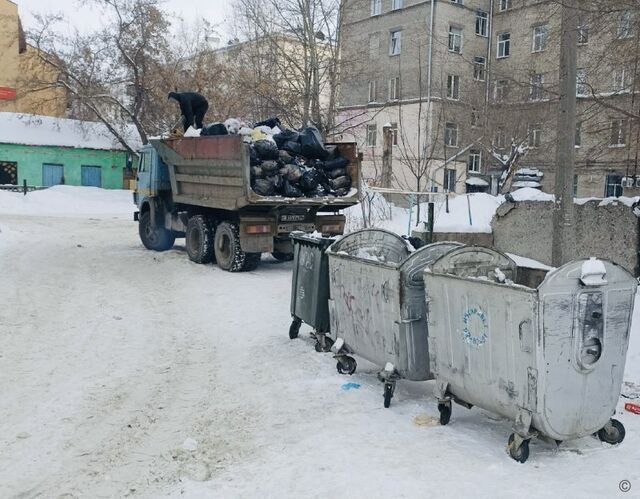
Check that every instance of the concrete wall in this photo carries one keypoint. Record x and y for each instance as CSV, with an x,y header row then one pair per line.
x,y
31,158
607,231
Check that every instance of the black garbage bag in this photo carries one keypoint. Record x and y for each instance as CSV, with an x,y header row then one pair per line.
x,y
292,147
318,192
311,145
342,192
266,149
308,181
286,136
264,187
338,172
290,191
285,157
254,159
271,122
332,152
293,173
333,164
257,172
316,163
277,182
214,129
343,182
270,167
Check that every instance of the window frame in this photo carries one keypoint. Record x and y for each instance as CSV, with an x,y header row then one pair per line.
x,y
541,38
448,130
536,88
453,36
621,135
581,82
534,135
376,8
397,5
504,5
446,184
394,84
373,91
398,45
482,20
479,68
372,135
474,162
453,87
503,86
504,44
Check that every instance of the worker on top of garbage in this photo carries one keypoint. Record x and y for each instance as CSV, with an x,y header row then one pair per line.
x,y
193,107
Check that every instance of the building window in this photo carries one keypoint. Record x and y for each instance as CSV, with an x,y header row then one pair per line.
x,y
501,138
482,23
613,186
536,87
374,46
394,134
620,80
535,135
453,87
581,82
376,7
475,161
479,68
504,45
504,5
578,141
575,186
625,25
451,134
540,37
394,88
583,32
396,4
618,134
475,117
372,134
373,91
395,44
455,39
449,180
501,90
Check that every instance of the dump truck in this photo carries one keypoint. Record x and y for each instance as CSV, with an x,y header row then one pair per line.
x,y
199,188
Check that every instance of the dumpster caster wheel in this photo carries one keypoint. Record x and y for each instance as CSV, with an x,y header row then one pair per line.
x,y
346,365
613,433
520,454
294,329
389,388
445,413
323,343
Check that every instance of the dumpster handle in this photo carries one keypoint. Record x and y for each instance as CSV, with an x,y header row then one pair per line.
x,y
408,321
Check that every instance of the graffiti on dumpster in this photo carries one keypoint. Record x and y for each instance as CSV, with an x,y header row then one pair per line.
x,y
475,327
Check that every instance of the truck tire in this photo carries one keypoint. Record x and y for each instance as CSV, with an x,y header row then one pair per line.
x,y
227,250
154,238
199,239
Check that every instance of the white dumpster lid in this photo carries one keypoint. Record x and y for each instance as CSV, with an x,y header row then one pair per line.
x,y
593,272
477,181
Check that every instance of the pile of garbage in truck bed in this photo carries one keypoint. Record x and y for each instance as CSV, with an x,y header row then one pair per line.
x,y
287,162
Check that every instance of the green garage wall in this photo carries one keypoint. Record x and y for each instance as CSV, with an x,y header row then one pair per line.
x,y
31,158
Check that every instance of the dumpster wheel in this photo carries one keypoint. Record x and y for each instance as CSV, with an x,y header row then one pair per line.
x,y
613,433
294,329
346,365
520,454
445,412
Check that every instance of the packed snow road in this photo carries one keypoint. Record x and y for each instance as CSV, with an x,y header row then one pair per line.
x,y
130,373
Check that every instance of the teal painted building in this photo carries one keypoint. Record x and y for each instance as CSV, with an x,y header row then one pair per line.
x,y
47,151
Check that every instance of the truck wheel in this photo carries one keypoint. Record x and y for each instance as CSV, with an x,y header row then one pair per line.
x,y
199,239
154,238
282,257
228,253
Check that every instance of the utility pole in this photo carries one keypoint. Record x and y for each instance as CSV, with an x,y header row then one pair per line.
x,y
565,148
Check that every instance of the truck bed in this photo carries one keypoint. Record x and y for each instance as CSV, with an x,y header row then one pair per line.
x,y
215,172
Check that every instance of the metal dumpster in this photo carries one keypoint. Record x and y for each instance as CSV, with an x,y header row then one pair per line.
x,y
377,304
549,358
310,287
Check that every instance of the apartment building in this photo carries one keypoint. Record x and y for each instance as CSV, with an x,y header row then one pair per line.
x,y
462,83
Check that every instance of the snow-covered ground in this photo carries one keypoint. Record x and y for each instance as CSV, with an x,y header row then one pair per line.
x,y
130,373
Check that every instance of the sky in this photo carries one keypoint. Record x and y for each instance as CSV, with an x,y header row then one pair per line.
x,y
81,15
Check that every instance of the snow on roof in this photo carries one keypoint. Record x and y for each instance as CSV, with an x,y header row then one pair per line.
x,y
524,183
30,129
531,194
530,172
477,181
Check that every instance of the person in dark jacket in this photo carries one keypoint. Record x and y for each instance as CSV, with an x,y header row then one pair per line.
x,y
193,107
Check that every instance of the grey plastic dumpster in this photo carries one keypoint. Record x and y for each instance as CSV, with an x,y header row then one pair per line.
x,y
310,287
377,304
549,358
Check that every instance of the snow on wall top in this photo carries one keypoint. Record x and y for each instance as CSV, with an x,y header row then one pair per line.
x,y
30,129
